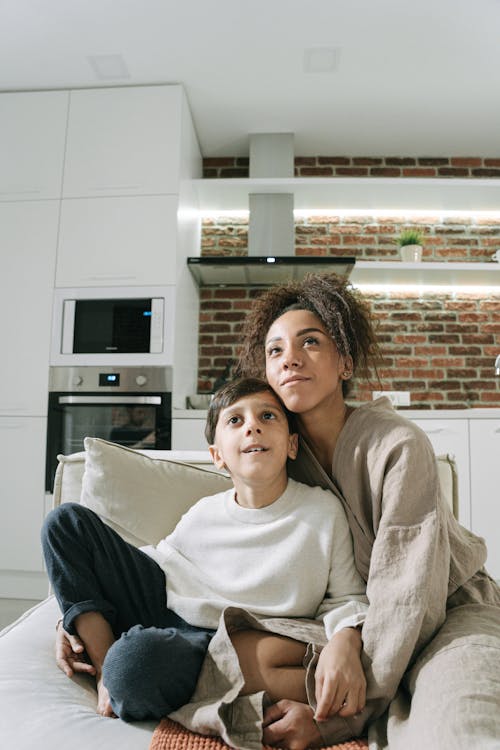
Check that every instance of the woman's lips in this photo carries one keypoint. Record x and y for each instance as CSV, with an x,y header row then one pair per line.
x,y
293,380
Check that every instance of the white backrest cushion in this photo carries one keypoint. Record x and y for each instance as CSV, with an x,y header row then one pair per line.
x,y
448,479
142,498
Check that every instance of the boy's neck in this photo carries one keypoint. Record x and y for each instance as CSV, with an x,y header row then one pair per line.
x,y
259,495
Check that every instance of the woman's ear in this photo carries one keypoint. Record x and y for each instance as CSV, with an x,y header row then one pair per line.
x,y
347,367
216,457
293,445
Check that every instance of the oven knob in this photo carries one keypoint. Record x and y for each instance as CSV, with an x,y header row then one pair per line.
x,y
77,380
141,380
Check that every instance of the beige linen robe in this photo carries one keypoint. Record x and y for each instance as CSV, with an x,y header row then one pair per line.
x,y
431,639
434,617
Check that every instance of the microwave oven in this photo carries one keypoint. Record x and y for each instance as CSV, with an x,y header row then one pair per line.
x,y
119,325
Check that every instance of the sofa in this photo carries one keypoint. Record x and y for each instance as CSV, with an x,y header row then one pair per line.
x,y
142,495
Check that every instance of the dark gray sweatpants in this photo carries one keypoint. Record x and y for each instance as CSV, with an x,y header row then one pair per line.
x,y
153,666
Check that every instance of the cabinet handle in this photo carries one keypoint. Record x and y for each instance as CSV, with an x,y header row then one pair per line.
x,y
106,400
110,277
115,187
34,191
10,427
435,431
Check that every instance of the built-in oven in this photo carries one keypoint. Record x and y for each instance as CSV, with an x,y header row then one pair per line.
x,y
131,406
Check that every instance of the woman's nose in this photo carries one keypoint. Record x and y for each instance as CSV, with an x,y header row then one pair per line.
x,y
291,358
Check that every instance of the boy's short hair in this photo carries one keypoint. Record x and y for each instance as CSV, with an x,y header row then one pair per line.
x,y
231,392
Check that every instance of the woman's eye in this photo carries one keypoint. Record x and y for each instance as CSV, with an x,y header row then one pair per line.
x,y
273,350
311,340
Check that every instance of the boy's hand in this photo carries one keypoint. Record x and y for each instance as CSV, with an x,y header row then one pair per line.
x,y
340,680
70,653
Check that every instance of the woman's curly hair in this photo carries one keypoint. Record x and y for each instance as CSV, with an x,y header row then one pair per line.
x,y
341,309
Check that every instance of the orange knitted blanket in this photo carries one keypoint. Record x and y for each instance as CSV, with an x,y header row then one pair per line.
x,y
169,735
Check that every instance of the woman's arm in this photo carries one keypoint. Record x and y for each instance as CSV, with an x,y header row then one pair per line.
x,y
410,561
340,684
340,680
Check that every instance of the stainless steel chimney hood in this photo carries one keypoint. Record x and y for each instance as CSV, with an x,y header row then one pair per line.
x,y
271,232
264,270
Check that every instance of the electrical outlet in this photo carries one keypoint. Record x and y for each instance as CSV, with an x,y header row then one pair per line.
x,y
397,398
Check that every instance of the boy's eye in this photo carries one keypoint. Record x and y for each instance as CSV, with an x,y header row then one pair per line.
x,y
268,415
233,420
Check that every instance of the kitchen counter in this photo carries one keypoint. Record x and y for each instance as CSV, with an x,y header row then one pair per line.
x,y
189,413
480,413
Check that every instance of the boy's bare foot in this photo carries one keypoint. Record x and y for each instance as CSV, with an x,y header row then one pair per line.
x,y
291,725
103,704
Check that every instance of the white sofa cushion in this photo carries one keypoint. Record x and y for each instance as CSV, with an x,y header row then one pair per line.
x,y
142,498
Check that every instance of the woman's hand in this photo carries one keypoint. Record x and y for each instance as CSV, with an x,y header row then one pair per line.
x,y
70,653
340,680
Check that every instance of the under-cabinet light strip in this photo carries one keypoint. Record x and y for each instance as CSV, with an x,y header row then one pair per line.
x,y
399,213
427,288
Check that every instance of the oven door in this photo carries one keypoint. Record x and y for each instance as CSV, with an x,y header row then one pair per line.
x,y
133,420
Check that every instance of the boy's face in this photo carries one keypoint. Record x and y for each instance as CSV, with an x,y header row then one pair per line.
x,y
252,439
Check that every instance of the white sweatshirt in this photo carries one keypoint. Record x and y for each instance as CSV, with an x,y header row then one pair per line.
x,y
293,558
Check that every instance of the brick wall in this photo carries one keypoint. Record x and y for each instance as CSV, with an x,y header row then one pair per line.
x,y
367,166
440,347
366,237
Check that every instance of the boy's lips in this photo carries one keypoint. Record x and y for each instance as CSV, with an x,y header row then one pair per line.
x,y
254,448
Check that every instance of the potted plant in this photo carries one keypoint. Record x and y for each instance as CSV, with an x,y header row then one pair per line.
x,y
410,244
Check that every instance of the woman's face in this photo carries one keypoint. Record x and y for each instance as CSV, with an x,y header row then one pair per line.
x,y
303,365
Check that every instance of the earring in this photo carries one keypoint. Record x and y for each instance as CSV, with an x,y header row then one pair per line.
x,y
346,374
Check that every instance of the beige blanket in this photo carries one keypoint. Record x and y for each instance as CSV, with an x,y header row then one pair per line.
x,y
217,708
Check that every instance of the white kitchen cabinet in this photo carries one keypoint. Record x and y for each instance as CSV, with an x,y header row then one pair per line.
x,y
452,436
123,141
32,144
485,487
124,241
28,239
188,433
22,459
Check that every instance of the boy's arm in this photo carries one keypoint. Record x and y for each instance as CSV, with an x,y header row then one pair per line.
x,y
345,603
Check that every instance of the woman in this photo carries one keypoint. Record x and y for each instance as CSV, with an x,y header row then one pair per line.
x,y
431,639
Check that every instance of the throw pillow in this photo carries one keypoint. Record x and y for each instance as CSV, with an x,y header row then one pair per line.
x,y
142,498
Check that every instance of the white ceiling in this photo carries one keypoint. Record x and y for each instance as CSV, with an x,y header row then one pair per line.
x,y
412,77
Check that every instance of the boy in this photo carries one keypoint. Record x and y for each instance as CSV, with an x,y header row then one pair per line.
x,y
271,547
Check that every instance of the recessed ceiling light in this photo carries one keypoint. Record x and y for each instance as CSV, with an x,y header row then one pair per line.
x,y
321,59
109,67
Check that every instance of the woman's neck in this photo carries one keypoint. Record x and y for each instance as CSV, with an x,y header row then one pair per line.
x,y
321,428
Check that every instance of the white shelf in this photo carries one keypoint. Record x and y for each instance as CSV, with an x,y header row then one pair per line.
x,y
362,193
437,274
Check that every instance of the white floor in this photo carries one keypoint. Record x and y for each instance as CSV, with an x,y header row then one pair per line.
x,y
11,609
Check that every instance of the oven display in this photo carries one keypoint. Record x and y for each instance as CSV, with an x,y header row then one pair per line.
x,y
109,378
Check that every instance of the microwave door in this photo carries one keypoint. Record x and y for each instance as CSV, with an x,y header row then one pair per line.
x,y
68,326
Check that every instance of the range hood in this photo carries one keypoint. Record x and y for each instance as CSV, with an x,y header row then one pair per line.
x,y
264,270
271,232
